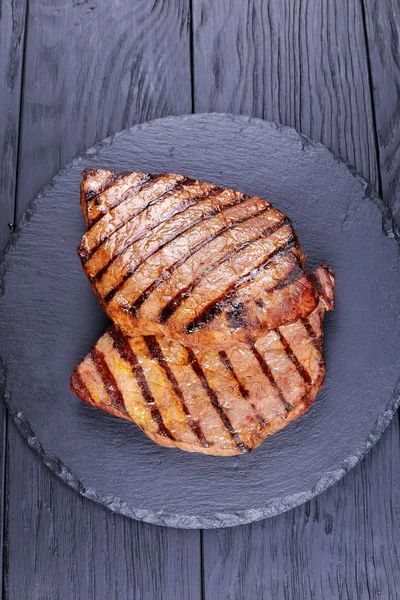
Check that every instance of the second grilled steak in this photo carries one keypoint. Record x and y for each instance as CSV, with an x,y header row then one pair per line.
x,y
222,402
207,266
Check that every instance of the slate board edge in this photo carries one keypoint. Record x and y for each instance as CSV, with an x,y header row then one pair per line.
x,y
216,520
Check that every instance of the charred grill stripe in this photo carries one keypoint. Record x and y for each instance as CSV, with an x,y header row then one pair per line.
x,y
317,340
144,182
229,367
92,194
78,386
244,392
213,397
214,308
157,354
181,208
211,213
176,186
108,379
181,296
268,373
168,272
293,358
319,288
125,351
293,276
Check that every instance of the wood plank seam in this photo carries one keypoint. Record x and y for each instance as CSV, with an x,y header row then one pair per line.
x,y
3,524
193,110
191,53
4,546
372,99
20,119
4,475
202,574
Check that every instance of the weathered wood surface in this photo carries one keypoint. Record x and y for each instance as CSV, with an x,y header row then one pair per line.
x,y
382,22
64,547
12,37
329,69
91,69
306,65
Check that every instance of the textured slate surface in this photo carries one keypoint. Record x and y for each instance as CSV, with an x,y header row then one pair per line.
x,y
305,64
168,487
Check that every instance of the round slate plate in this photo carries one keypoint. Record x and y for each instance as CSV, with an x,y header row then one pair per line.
x,y
52,319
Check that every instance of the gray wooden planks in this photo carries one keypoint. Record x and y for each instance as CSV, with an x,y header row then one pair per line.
x,y
360,527
336,546
63,546
92,69
382,20
295,63
304,64
12,30
3,438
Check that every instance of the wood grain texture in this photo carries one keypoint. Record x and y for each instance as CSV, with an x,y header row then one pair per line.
x,y
337,546
12,30
3,445
91,69
304,64
382,22
296,62
63,547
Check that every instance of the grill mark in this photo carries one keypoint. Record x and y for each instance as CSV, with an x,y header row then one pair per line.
x,y
316,340
293,358
157,354
211,213
229,367
126,353
168,272
143,183
213,397
294,274
175,302
85,256
214,308
92,194
78,386
319,288
108,379
244,392
181,209
268,373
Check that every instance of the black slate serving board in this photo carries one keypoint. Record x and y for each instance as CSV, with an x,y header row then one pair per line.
x,y
50,318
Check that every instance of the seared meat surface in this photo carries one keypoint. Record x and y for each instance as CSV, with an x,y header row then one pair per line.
x,y
206,266
217,335
220,402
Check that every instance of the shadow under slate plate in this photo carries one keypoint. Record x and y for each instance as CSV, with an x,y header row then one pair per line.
x,y
51,318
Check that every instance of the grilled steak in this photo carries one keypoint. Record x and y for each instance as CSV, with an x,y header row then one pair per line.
x,y
206,266
220,402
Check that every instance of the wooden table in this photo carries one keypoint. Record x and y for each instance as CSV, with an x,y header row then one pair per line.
x,y
73,72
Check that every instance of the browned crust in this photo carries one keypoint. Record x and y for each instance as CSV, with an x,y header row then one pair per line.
x,y
282,356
